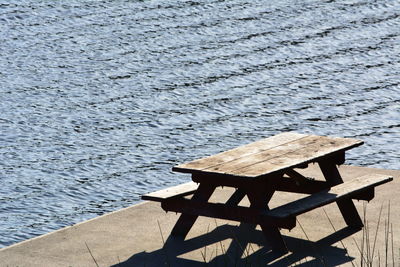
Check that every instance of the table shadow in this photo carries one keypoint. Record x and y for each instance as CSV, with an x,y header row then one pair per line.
x,y
246,248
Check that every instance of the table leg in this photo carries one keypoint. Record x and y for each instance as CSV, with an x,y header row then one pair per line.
x,y
186,221
346,206
236,197
259,198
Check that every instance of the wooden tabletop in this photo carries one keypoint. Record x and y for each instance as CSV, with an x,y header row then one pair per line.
x,y
276,153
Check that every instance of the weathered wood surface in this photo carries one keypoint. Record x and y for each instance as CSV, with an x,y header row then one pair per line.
x,y
276,153
333,194
171,192
236,153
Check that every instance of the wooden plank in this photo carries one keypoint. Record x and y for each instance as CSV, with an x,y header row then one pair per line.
x,y
171,192
270,155
239,152
328,196
264,156
305,150
223,211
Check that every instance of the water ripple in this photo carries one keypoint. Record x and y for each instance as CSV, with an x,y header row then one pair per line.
x,y
99,99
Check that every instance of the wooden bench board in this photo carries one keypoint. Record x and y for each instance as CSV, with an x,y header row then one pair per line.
x,y
171,192
269,155
222,211
346,189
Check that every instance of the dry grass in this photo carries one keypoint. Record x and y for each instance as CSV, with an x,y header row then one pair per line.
x,y
369,253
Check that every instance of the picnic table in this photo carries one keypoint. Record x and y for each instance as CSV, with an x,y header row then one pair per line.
x,y
258,170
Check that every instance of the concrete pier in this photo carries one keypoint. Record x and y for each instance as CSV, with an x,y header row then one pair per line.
x,y
138,236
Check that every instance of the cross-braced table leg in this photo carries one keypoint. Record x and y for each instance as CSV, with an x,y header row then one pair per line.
x,y
186,221
346,206
259,197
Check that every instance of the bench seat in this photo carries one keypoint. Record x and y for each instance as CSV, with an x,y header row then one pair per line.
x,y
172,192
349,189
283,216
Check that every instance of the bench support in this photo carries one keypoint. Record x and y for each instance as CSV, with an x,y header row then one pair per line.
x,y
259,193
339,193
186,221
259,197
346,206
222,211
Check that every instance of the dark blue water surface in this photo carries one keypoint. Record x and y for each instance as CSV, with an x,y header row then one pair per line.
x,y
99,99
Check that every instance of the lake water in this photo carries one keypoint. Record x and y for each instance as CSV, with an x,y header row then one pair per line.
x,y
99,99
